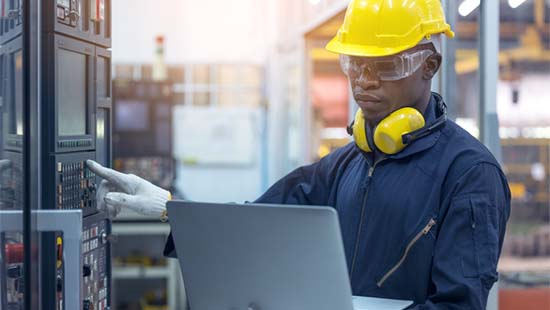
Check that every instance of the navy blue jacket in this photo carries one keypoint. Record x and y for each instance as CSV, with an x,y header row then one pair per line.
x,y
426,224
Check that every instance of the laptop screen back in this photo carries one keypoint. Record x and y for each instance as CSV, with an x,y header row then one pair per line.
x,y
259,257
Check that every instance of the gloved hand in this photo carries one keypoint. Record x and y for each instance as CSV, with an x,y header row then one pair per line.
x,y
119,190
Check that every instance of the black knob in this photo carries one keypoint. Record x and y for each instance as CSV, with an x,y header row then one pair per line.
x,y
59,284
86,271
14,272
86,304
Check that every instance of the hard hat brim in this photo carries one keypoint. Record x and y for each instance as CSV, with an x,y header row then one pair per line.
x,y
337,47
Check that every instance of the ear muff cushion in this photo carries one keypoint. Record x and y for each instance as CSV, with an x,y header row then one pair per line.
x,y
359,132
388,134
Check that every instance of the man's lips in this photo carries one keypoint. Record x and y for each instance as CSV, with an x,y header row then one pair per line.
x,y
366,98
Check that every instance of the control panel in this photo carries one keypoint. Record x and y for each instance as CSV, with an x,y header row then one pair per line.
x,y
68,12
76,127
11,19
11,181
12,285
86,20
95,270
11,97
75,184
142,130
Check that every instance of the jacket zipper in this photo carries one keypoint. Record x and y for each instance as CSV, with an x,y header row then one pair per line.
x,y
423,232
361,219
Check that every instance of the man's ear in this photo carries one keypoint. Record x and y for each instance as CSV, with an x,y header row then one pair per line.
x,y
431,66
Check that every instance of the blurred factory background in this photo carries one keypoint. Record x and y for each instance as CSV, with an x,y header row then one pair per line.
x,y
216,100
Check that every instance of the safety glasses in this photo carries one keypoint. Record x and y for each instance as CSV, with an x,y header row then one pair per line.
x,y
390,68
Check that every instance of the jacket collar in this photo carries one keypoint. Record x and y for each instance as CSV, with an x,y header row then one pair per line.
x,y
430,115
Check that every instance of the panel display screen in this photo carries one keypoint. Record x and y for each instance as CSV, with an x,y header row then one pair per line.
x,y
65,3
131,115
71,93
103,137
18,94
13,93
103,78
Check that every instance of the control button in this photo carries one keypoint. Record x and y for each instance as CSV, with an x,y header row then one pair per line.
x,y
14,272
14,253
59,284
104,238
86,271
59,243
87,305
59,167
60,13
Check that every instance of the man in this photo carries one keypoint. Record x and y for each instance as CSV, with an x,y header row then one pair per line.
x,y
422,204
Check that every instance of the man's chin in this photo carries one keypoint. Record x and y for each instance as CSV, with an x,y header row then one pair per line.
x,y
373,118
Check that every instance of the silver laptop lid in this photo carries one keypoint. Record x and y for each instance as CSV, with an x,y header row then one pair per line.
x,y
260,257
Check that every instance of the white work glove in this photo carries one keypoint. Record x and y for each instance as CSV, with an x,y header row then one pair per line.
x,y
119,190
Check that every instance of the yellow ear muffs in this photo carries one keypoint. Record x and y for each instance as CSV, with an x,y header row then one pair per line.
x,y
388,136
359,132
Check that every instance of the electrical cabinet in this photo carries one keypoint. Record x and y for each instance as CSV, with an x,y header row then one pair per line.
x,y
55,107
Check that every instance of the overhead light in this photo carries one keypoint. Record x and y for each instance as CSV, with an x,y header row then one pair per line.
x,y
515,3
468,6
314,2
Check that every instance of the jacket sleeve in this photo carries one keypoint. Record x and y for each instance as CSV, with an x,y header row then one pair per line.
x,y
469,240
307,185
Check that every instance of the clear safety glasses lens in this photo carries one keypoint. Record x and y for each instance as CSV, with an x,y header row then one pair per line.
x,y
385,69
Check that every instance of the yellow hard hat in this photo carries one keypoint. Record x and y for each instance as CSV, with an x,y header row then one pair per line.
x,y
375,28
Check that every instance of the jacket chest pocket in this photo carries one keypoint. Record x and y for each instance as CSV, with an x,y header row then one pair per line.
x,y
420,236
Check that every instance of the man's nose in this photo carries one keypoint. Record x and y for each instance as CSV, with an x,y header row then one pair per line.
x,y
368,80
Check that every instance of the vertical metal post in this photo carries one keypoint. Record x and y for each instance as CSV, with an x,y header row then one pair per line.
x,y
489,36
488,54
306,105
448,73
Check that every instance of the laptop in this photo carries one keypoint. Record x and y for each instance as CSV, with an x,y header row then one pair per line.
x,y
264,257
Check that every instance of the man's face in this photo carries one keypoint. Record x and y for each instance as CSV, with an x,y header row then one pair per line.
x,y
378,98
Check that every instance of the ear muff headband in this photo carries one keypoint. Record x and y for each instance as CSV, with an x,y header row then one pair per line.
x,y
422,132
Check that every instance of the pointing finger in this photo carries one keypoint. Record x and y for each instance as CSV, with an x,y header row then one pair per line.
x,y
117,178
